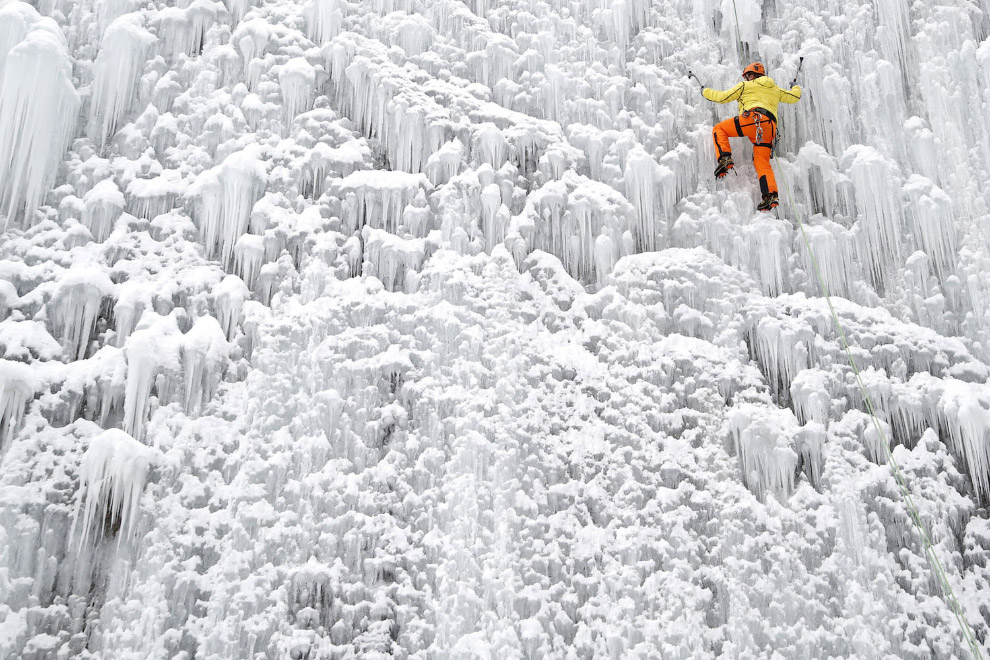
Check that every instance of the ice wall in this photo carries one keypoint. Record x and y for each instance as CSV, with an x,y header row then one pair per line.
x,y
418,328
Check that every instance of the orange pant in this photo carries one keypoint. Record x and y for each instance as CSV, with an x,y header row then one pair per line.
x,y
761,131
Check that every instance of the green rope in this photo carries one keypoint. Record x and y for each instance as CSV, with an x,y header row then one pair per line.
x,y
930,555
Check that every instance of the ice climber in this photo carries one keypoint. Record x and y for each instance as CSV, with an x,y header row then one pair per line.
x,y
758,96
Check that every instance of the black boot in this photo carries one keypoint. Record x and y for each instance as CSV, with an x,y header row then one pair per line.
x,y
769,202
724,165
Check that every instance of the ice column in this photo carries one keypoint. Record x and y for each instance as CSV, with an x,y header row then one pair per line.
x,y
116,73
38,106
111,480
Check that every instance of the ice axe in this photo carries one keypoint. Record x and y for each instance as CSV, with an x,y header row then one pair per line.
x,y
691,75
796,73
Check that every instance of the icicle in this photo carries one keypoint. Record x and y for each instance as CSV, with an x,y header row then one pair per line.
x,y
229,297
389,257
103,205
641,179
150,350
107,11
491,204
204,353
413,34
934,224
811,396
379,197
238,8
75,306
116,73
249,257
16,20
325,19
490,145
781,348
811,446
227,194
150,198
133,297
183,31
38,107
767,250
875,441
877,194
444,164
8,298
18,383
111,480
831,246
964,410
762,440
297,80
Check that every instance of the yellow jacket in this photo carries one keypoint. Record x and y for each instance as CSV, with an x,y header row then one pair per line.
x,y
760,93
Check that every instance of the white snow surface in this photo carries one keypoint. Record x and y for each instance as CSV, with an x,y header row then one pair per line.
x,y
419,329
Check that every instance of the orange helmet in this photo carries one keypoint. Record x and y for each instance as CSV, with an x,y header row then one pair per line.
x,y
755,67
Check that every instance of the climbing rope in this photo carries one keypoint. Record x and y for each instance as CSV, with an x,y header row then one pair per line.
x,y
926,541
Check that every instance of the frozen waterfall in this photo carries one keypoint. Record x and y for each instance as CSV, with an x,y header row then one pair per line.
x,y
420,329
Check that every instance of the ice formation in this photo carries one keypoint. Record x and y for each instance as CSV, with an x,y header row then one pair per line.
x,y
103,205
117,71
764,447
297,79
226,195
418,329
112,477
75,307
18,383
153,361
38,106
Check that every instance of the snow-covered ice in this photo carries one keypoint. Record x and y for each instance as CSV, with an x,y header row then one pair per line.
x,y
419,329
